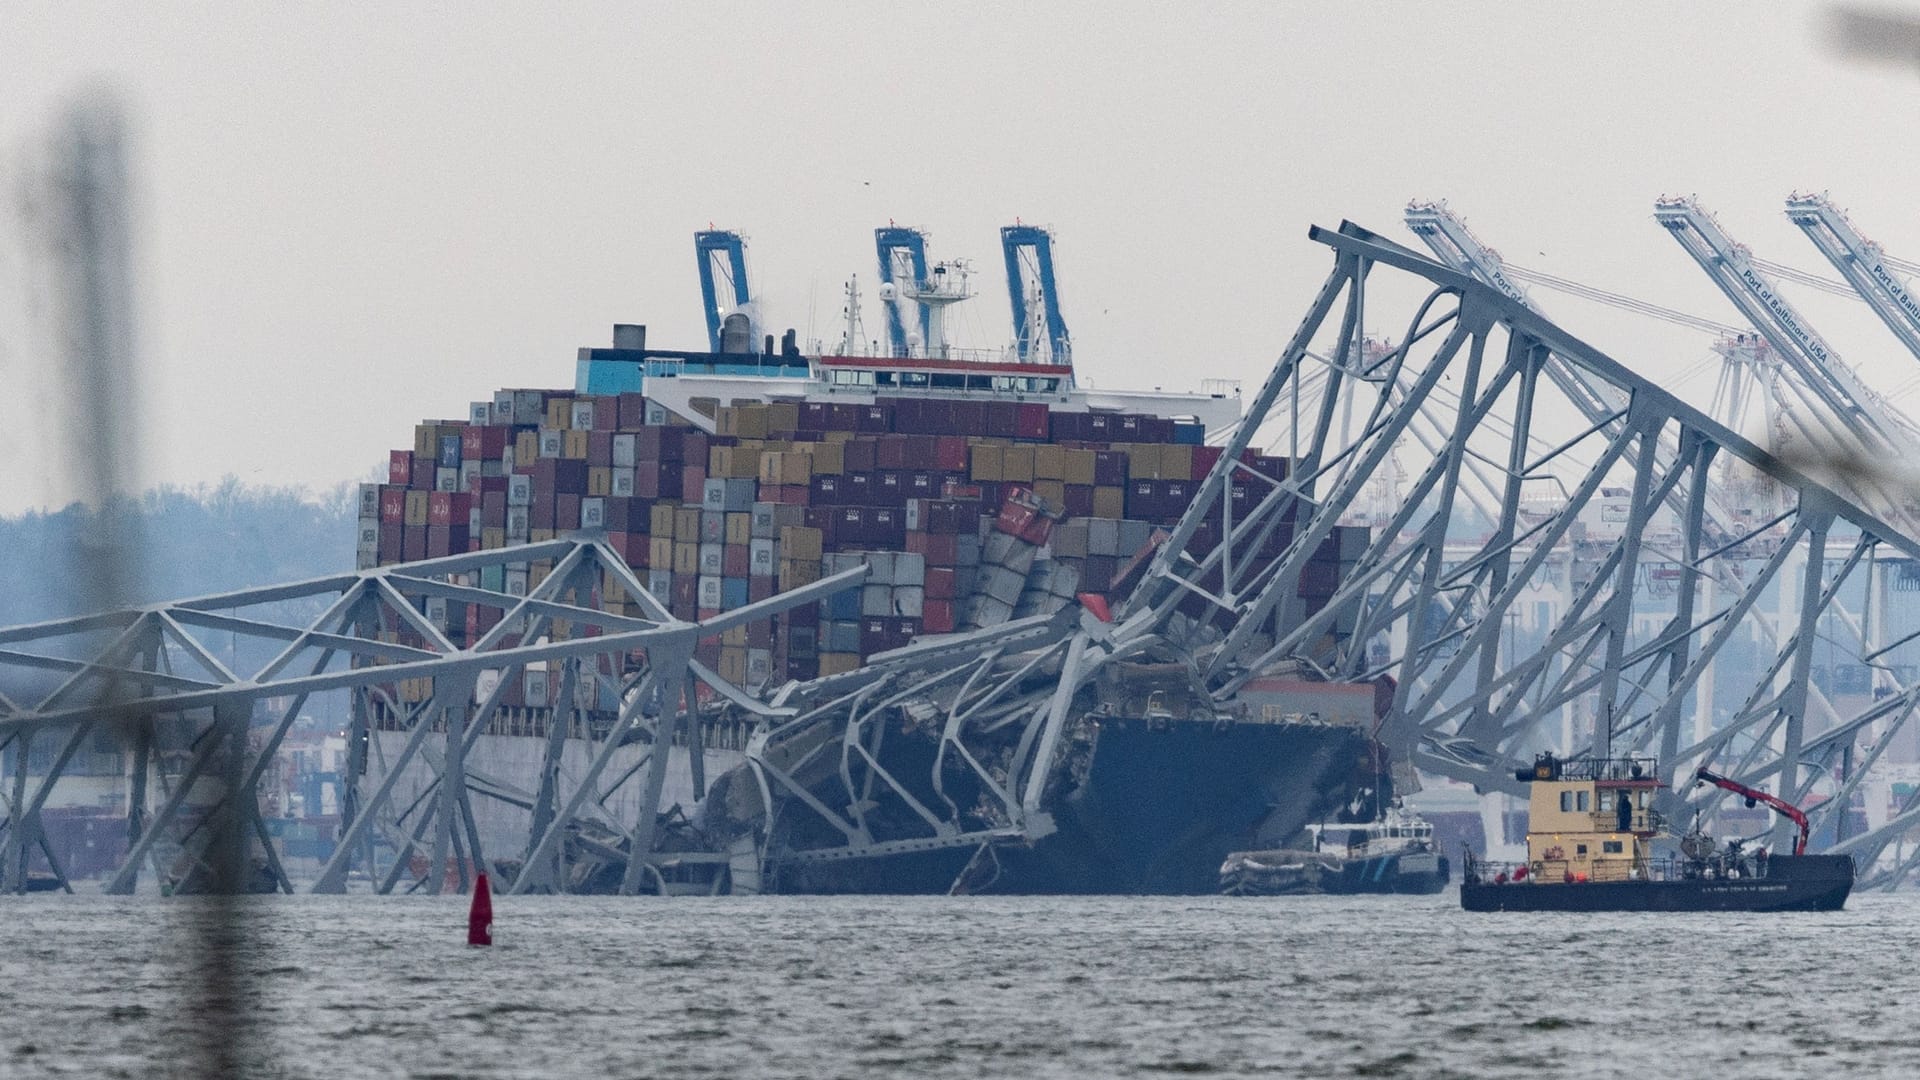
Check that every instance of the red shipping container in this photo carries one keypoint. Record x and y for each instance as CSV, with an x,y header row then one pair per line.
x,y
942,582
393,504
632,409
420,474
1078,499
606,413
1203,460
448,508
936,616
890,451
1003,419
400,468
736,560
758,589
413,543
392,537
483,443
692,478
859,456
600,447
950,453
938,550
1031,421
566,511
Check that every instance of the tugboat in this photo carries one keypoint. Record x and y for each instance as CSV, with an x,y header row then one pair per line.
x,y
1394,854
1589,848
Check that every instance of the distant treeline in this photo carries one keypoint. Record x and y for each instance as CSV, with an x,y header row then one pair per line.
x,y
184,542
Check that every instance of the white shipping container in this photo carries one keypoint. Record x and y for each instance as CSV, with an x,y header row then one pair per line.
x,y
763,558
876,601
709,593
909,600
480,413
656,414
437,611
369,536
516,582
369,502
880,566
519,490
446,479
713,562
660,584
474,518
623,448
713,495
533,687
502,407
366,560
469,471
553,442
759,666
582,416
909,568
518,518
593,512
623,483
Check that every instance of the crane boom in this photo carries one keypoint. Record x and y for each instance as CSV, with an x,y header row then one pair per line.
x,y
1752,795
1861,262
1872,420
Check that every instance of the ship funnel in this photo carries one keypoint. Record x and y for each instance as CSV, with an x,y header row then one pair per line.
x,y
736,333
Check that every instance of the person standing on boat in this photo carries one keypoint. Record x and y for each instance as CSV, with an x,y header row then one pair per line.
x,y
1623,810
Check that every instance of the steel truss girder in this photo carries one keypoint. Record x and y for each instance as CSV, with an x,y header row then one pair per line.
x,y
1619,654
116,674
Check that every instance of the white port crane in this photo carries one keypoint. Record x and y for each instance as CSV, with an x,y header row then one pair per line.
x,y
1874,424
1868,269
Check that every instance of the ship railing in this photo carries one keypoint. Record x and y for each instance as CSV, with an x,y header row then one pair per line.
x,y
1566,872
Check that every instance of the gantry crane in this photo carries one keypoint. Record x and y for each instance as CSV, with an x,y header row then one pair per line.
x,y
903,263
1850,407
1862,263
1030,289
723,262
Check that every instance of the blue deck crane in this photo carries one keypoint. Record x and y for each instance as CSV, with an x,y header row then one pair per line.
x,y
1029,253
892,242
723,260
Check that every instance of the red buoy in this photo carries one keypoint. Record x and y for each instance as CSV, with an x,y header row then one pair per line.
x,y
480,915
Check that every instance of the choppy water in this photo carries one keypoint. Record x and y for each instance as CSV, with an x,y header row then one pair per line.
x,y
934,987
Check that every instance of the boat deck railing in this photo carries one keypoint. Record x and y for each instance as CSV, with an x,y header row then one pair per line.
x,y
1561,872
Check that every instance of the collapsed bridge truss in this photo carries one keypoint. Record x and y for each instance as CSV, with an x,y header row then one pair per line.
x,y
1669,632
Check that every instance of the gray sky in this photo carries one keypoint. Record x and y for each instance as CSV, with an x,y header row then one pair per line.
x,y
356,218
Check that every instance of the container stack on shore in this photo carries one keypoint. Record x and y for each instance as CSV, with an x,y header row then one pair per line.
x,y
967,513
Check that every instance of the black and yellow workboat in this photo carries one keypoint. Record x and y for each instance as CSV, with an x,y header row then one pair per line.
x,y
1590,834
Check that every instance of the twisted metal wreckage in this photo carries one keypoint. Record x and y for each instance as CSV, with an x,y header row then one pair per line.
x,y
1473,392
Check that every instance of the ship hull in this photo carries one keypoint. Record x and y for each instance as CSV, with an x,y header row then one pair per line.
x,y
1153,809
1792,883
1309,873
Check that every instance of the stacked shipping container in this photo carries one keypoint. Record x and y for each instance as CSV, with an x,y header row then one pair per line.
x,y
967,513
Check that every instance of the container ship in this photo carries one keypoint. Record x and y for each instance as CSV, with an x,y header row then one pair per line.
x,y
980,490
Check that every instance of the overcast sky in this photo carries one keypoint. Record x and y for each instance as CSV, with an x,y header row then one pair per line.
x,y
354,218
